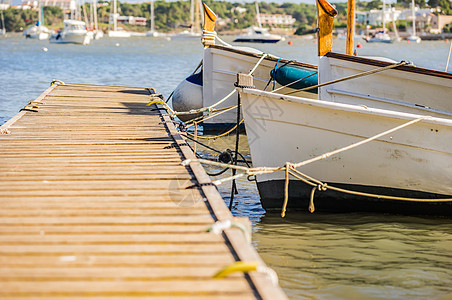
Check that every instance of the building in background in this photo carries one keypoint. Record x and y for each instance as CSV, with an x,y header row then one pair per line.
x,y
132,20
277,20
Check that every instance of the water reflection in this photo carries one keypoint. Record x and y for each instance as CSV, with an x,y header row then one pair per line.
x,y
358,256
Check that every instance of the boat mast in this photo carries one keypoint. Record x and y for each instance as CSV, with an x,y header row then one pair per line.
x,y
85,15
40,17
350,27
325,17
413,16
3,32
258,16
384,16
114,16
197,22
152,16
95,15
91,15
192,15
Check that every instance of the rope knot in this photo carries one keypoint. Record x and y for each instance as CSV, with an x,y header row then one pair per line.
x,y
322,187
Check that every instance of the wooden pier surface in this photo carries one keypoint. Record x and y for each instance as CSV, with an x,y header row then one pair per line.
x,y
94,205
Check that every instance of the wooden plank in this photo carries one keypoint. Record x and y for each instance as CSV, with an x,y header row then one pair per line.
x,y
92,205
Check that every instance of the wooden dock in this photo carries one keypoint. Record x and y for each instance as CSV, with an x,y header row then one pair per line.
x,y
94,205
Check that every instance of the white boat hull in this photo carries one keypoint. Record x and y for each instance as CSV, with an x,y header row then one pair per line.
x,y
422,92
119,34
82,38
74,32
415,161
37,32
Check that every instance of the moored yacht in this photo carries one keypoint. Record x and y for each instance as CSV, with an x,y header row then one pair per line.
x,y
74,32
257,34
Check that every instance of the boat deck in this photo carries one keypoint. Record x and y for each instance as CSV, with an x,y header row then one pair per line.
x,y
94,205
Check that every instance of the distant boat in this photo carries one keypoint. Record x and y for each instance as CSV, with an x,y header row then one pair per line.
x,y
413,38
380,36
74,32
38,31
117,32
257,34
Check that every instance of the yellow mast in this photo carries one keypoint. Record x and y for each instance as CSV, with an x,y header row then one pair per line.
x,y
350,27
326,13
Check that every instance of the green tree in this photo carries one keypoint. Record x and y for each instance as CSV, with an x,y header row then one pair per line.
x,y
446,5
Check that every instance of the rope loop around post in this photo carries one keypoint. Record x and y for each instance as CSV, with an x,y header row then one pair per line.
x,y
57,82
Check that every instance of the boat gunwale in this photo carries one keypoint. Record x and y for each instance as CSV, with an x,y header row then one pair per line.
x,y
347,107
271,58
378,63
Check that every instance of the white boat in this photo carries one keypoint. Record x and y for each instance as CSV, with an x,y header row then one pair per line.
x,y
221,63
116,32
380,36
257,34
408,170
74,32
414,162
38,30
404,89
413,37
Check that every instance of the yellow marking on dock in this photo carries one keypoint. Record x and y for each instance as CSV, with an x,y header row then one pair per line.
x,y
94,205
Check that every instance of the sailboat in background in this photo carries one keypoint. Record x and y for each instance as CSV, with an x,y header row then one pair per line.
x,y
114,18
97,34
152,32
3,30
258,34
38,31
195,29
413,37
380,36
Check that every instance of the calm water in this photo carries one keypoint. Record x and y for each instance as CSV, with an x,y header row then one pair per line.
x,y
317,256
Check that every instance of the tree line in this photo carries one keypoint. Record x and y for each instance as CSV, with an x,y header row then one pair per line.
x,y
172,15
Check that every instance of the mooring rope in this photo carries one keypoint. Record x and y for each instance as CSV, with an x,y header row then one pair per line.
x,y
217,136
212,35
290,170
